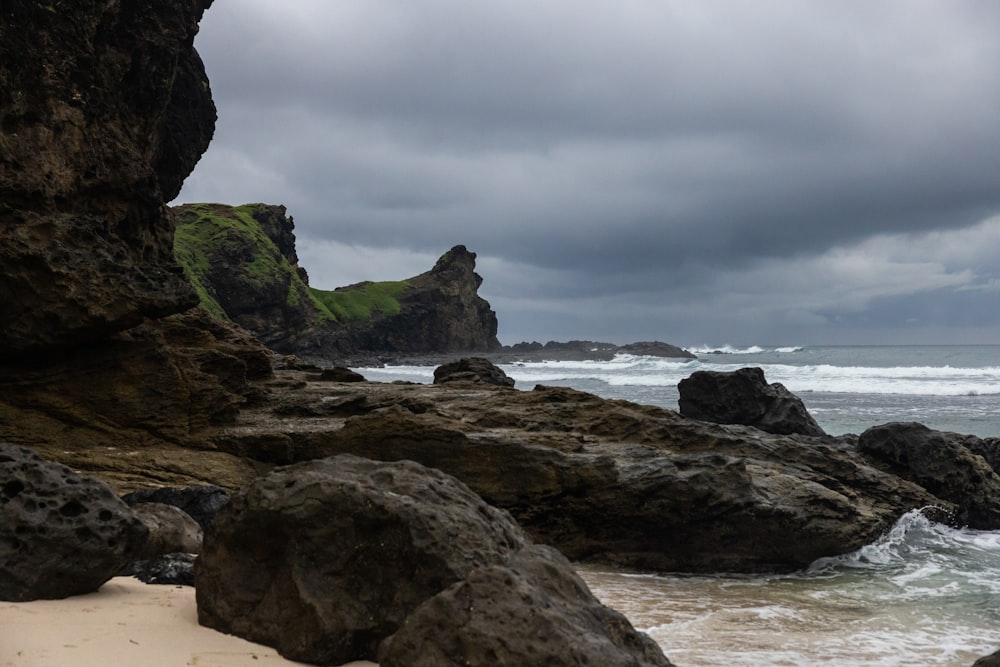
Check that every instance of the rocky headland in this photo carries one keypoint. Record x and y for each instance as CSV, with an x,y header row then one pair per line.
x,y
442,514
243,264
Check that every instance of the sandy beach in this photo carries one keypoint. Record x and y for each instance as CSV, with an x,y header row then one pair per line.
x,y
126,622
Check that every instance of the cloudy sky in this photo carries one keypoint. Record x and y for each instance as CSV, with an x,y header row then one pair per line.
x,y
721,171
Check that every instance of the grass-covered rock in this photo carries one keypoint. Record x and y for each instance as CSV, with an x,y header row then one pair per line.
x,y
241,261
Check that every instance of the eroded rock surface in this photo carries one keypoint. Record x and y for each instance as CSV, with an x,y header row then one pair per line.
x,y
600,480
60,534
104,109
170,530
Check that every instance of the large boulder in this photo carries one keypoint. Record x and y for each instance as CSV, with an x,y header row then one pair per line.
x,y
744,397
472,369
326,559
61,534
534,611
104,364
941,463
991,660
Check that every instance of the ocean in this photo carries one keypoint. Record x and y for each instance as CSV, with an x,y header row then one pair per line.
x,y
923,594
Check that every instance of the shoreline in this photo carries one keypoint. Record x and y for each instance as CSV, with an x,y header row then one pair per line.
x,y
136,623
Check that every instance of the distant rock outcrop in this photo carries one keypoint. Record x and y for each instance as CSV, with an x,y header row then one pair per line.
x,y
577,350
472,369
744,397
243,263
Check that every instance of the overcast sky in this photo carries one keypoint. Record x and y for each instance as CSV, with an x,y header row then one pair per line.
x,y
710,172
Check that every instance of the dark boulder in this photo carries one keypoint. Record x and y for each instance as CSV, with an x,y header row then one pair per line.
x,y
171,530
472,369
534,611
991,660
201,503
60,534
175,569
941,463
340,374
326,559
744,397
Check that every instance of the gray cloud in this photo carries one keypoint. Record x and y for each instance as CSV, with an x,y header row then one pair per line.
x,y
662,168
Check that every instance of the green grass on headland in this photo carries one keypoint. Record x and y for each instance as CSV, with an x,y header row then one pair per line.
x,y
210,234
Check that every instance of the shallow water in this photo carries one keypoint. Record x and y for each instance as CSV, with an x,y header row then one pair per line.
x,y
924,594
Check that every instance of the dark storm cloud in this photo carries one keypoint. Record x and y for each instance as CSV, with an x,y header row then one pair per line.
x,y
637,151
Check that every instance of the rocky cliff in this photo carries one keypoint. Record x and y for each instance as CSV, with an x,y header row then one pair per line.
x,y
243,264
104,110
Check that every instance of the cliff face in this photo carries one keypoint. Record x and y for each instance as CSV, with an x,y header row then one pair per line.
x,y
440,311
242,262
104,110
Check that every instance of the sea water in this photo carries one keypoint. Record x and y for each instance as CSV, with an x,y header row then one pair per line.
x,y
923,594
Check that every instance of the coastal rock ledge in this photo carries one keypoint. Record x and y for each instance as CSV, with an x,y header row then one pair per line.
x,y
601,480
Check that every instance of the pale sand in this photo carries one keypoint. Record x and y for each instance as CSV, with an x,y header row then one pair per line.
x,y
126,622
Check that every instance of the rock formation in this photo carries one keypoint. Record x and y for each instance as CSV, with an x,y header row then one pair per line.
x,y
943,464
243,263
171,530
578,350
60,534
104,111
600,480
472,369
532,611
201,503
324,560
744,397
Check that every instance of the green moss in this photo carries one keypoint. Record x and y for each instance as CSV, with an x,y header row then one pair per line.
x,y
207,232
208,235
362,301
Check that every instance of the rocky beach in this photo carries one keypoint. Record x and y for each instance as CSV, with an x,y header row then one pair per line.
x,y
331,518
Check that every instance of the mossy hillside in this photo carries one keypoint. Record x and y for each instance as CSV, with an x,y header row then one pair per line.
x,y
211,235
364,300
